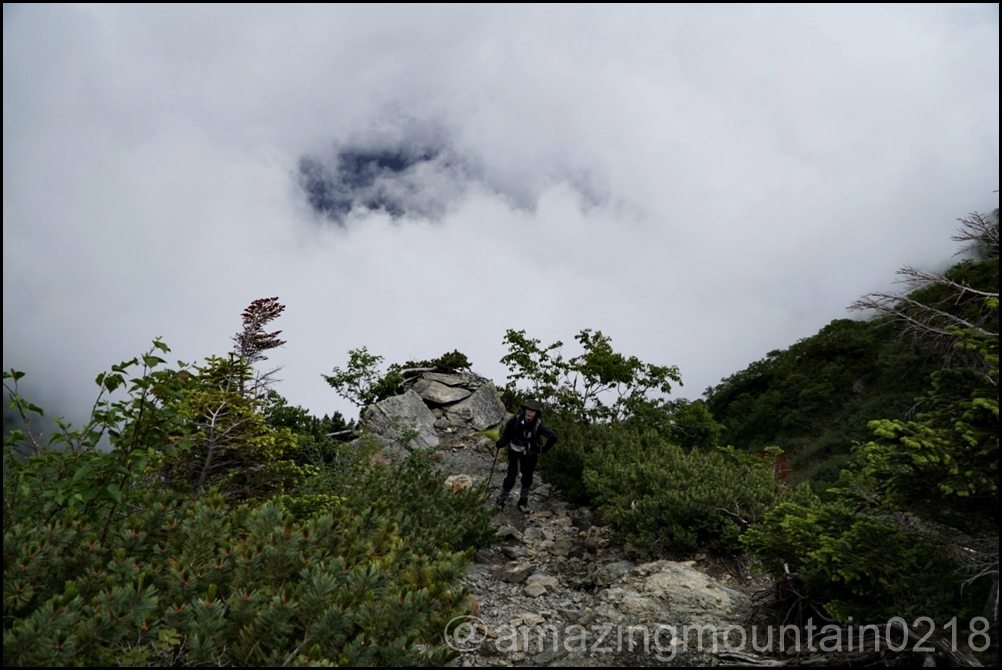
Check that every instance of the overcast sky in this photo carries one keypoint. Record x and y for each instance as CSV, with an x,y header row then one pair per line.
x,y
702,184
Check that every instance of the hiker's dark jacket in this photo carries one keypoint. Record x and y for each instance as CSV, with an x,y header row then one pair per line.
x,y
527,434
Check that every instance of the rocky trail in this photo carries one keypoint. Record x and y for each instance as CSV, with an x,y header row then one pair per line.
x,y
559,592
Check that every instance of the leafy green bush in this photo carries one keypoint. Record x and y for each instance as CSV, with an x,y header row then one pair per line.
x,y
660,497
429,516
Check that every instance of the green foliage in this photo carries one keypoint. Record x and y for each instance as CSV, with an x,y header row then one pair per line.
x,y
226,440
447,363
71,470
181,582
565,466
192,522
817,397
686,423
944,464
582,384
363,384
866,566
662,498
430,515
912,527
657,494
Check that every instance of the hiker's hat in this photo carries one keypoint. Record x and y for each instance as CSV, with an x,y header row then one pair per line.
x,y
534,405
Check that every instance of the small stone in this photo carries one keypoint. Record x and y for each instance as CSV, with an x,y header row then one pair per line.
x,y
533,534
549,655
569,614
516,574
561,548
506,530
529,619
459,482
535,590
513,552
546,580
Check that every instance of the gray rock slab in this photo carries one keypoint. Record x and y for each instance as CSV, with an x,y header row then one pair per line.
x,y
482,409
439,393
405,419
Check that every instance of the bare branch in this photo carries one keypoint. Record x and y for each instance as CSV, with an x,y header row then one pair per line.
x,y
981,233
929,320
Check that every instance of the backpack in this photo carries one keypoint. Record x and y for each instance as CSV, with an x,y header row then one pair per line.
x,y
532,430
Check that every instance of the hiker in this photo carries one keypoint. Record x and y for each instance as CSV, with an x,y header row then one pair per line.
x,y
523,436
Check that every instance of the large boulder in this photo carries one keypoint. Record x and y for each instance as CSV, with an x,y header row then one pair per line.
x,y
405,419
482,409
693,596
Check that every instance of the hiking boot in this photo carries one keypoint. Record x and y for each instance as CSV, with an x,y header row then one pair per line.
x,y
501,499
523,506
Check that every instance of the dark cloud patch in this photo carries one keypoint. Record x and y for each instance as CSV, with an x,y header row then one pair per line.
x,y
400,181
420,174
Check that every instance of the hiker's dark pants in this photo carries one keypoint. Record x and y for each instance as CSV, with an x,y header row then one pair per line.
x,y
524,462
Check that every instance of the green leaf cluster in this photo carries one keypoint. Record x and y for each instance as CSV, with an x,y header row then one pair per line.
x,y
598,385
858,565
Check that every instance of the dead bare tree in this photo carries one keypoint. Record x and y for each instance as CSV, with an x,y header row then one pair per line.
x,y
979,558
960,305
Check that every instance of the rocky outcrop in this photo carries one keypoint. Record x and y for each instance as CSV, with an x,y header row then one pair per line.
x,y
433,404
437,393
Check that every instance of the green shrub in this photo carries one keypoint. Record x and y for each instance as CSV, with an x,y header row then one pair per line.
x,y
660,497
865,566
564,466
117,556
181,582
429,516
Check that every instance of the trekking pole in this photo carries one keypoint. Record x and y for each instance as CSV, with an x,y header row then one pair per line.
x,y
496,452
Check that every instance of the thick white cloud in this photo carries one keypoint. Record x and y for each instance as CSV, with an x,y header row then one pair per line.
x,y
701,184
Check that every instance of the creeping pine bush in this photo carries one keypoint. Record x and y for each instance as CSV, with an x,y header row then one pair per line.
x,y
182,582
113,557
661,498
564,466
858,565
